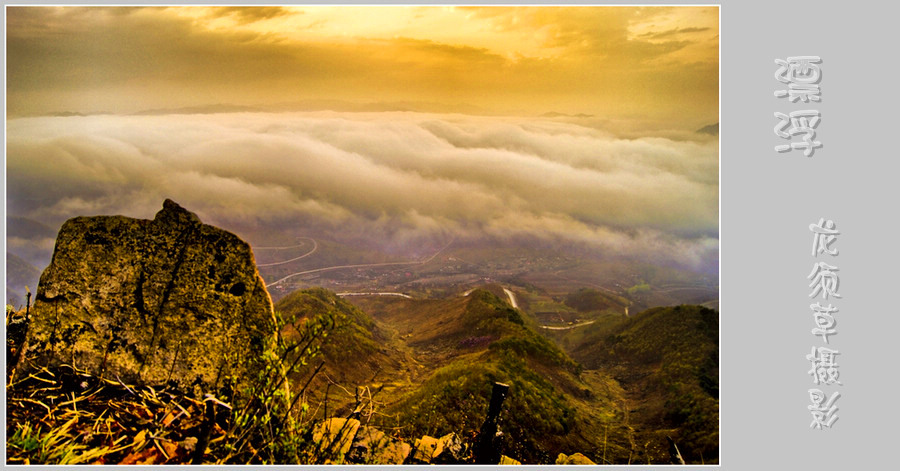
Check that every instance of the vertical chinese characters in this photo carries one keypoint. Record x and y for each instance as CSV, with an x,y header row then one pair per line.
x,y
824,412
802,74
823,360
824,319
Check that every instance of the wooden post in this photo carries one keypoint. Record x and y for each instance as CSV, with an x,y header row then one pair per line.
x,y
674,454
27,303
487,447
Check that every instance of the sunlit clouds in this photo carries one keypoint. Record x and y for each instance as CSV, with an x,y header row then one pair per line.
x,y
419,174
653,62
575,125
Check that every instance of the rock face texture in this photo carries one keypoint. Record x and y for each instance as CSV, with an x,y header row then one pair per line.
x,y
170,300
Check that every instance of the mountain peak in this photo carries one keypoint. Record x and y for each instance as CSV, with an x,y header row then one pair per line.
x,y
173,214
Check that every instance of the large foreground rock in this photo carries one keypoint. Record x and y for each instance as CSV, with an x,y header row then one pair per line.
x,y
161,301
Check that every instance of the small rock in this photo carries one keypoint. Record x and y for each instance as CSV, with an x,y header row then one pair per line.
x,y
575,458
449,450
189,443
334,437
372,446
423,450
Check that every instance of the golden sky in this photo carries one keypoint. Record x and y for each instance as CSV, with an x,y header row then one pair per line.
x,y
631,175
626,62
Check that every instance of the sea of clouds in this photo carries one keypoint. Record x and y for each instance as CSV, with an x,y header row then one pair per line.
x,y
396,176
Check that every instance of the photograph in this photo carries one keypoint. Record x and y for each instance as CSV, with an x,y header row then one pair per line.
x,y
371,235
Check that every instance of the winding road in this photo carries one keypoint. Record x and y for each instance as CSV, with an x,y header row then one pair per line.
x,y
377,294
364,265
307,254
512,298
550,327
509,294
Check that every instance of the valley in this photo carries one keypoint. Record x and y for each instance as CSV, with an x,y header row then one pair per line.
x,y
540,275
426,339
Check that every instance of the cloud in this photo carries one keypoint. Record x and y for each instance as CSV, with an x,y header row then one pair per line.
x,y
508,60
673,32
245,15
397,176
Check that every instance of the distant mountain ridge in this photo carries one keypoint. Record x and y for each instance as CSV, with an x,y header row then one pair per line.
x,y
27,228
554,114
712,130
19,275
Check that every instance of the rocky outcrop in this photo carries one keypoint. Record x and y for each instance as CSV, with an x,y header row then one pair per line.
x,y
340,440
170,300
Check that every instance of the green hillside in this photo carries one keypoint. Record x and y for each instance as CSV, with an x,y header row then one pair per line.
x,y
426,367
666,358
480,339
592,300
356,352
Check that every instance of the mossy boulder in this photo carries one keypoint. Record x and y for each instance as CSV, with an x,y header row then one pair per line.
x,y
169,300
